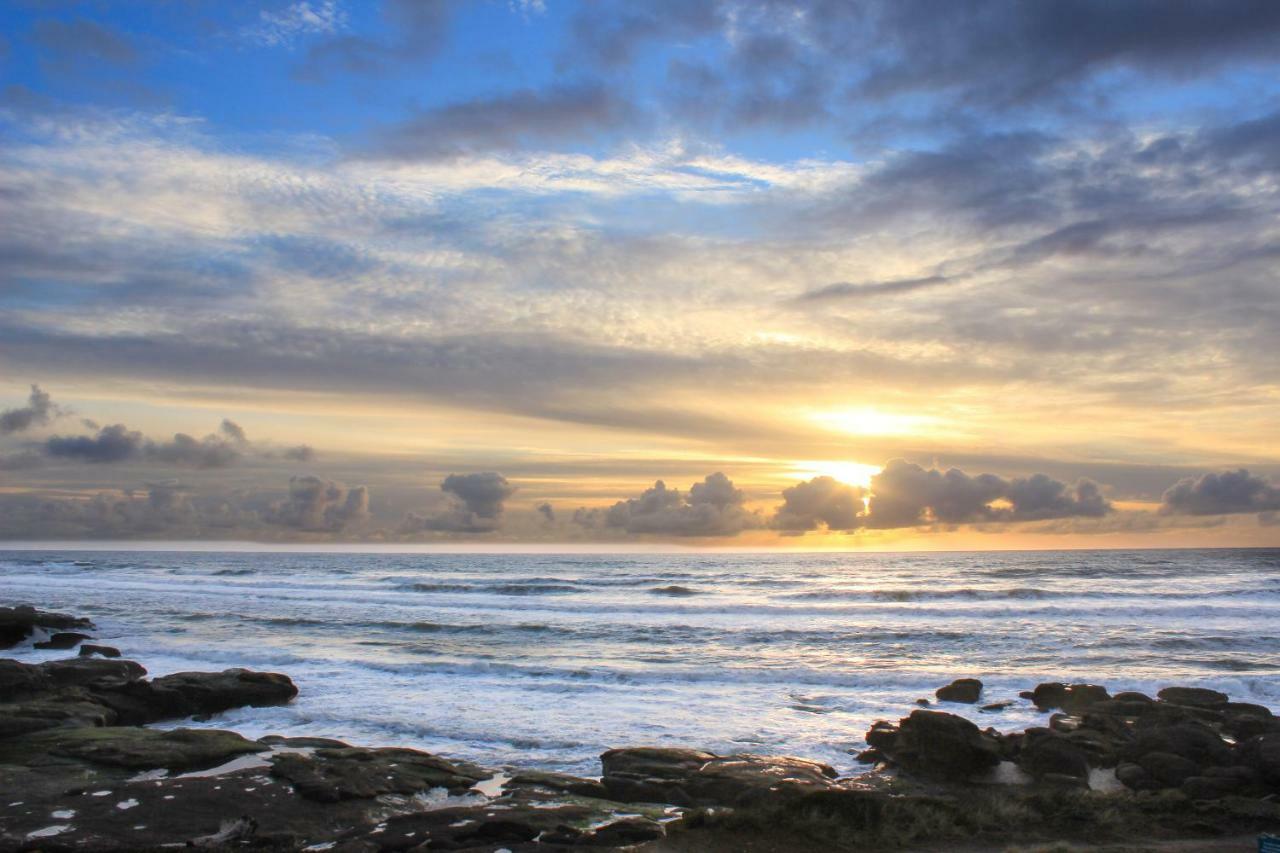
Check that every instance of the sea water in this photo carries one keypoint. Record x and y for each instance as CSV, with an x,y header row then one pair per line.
x,y
548,660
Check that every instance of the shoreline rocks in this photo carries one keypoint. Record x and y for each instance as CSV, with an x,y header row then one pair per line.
x,y
85,774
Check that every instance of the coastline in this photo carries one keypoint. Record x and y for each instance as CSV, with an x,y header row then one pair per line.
x,y
92,776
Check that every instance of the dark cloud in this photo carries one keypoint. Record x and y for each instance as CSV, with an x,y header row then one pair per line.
x,y
212,451
713,507
299,453
233,431
416,30
1224,493
847,290
69,44
507,122
475,505
39,410
820,502
904,494
547,511
114,443
314,504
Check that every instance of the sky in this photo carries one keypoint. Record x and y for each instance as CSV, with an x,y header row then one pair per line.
x,y
888,274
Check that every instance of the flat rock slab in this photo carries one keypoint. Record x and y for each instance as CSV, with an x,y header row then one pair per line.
x,y
691,778
333,775
129,748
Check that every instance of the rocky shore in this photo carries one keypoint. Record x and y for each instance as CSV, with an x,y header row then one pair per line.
x,y
79,770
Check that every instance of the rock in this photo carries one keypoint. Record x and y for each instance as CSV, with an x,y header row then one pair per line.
x,y
133,748
1195,697
964,690
1168,769
89,650
869,756
923,703
996,707
332,775
18,623
1261,754
1054,755
626,832
68,707
941,745
561,782
687,777
187,694
1192,741
1133,696
1121,707
63,640
1134,777
1243,720
1209,787
882,735
92,672
1072,698
17,678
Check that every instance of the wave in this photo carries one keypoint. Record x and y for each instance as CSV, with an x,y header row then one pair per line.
x,y
674,590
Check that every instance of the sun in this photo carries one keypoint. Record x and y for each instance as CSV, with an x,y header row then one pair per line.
x,y
853,473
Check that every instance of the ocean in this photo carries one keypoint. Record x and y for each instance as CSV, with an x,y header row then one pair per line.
x,y
548,660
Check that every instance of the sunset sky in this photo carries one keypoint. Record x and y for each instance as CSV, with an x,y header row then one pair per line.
x,y
838,274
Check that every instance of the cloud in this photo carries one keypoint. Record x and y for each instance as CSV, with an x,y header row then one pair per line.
x,y
40,410
69,44
822,501
1225,493
475,505
233,431
713,507
528,117
314,504
297,20
417,31
904,494
212,451
848,290
299,453
114,443
547,511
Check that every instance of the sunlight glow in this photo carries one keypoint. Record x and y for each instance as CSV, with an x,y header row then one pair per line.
x,y
868,421
853,473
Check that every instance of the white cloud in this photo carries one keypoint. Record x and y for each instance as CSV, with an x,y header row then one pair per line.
x,y
297,20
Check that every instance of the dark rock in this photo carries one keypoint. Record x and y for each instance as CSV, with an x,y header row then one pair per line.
x,y
965,690
626,832
187,694
687,777
882,735
1133,696
332,775
67,707
63,640
1261,754
1054,755
1194,742
1210,787
18,623
1243,720
89,650
996,707
1168,769
942,745
132,748
1072,698
17,678
1195,697
1134,777
92,672
1121,707
923,703
869,756
559,782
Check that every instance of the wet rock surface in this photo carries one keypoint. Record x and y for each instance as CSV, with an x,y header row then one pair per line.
x,y
19,623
